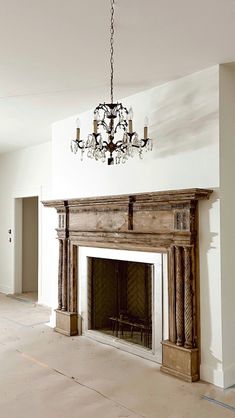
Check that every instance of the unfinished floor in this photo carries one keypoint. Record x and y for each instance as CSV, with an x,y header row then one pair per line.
x,y
45,374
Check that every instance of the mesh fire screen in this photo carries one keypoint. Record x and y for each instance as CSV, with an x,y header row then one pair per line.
x,y
120,299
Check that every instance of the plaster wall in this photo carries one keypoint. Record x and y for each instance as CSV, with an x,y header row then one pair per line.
x,y
227,176
184,124
26,173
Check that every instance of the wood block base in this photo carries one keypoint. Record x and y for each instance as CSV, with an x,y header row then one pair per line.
x,y
180,362
66,323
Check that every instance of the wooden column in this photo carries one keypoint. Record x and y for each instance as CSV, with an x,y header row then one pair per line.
x,y
73,278
66,314
60,265
64,276
182,359
172,294
179,297
188,299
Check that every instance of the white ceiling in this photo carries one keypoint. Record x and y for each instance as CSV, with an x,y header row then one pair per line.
x,y
54,55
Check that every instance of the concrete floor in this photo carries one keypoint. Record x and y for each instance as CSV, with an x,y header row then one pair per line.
x,y
45,374
26,296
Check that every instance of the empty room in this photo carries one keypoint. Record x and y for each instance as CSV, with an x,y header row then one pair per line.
x,y
117,152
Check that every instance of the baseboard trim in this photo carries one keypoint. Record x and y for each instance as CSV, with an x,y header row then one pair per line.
x,y
212,375
6,289
229,376
224,378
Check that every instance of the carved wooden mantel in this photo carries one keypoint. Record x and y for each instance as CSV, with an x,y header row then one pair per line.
x,y
161,222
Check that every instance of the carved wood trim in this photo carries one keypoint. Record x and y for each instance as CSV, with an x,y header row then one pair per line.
x,y
130,213
179,296
73,277
64,275
172,294
60,268
188,299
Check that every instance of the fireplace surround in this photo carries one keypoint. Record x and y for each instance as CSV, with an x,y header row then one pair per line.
x,y
160,222
133,303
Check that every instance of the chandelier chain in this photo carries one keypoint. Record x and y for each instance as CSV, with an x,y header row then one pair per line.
x,y
116,121
112,2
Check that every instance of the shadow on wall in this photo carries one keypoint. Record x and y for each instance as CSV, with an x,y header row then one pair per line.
x,y
185,121
210,296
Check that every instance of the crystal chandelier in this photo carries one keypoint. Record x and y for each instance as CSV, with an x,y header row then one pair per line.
x,y
113,138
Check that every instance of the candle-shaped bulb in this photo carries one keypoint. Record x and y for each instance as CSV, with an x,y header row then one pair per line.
x,y
146,121
95,123
146,124
78,123
130,117
130,114
78,129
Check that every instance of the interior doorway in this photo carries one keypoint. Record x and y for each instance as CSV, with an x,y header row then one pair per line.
x,y
30,246
26,248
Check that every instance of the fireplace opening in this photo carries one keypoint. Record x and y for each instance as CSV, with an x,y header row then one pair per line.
x,y
120,300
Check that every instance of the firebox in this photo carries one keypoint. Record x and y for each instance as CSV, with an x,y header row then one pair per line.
x,y
120,294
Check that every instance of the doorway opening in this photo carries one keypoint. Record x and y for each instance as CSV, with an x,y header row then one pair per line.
x,y
26,248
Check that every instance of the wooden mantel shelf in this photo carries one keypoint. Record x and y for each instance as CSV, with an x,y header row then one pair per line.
x,y
162,196
165,221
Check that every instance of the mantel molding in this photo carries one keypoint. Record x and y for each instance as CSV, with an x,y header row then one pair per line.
x,y
165,221
169,196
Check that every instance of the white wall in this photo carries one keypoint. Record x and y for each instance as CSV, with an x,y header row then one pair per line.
x,y
227,175
24,173
184,124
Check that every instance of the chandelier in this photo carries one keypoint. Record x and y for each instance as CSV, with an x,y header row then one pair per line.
x,y
113,138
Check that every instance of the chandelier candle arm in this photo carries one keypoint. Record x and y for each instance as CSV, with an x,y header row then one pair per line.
x,y
115,122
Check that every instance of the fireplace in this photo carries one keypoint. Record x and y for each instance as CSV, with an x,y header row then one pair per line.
x,y
123,299
119,235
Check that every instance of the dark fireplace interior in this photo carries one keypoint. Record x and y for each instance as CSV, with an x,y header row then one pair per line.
x,y
120,300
